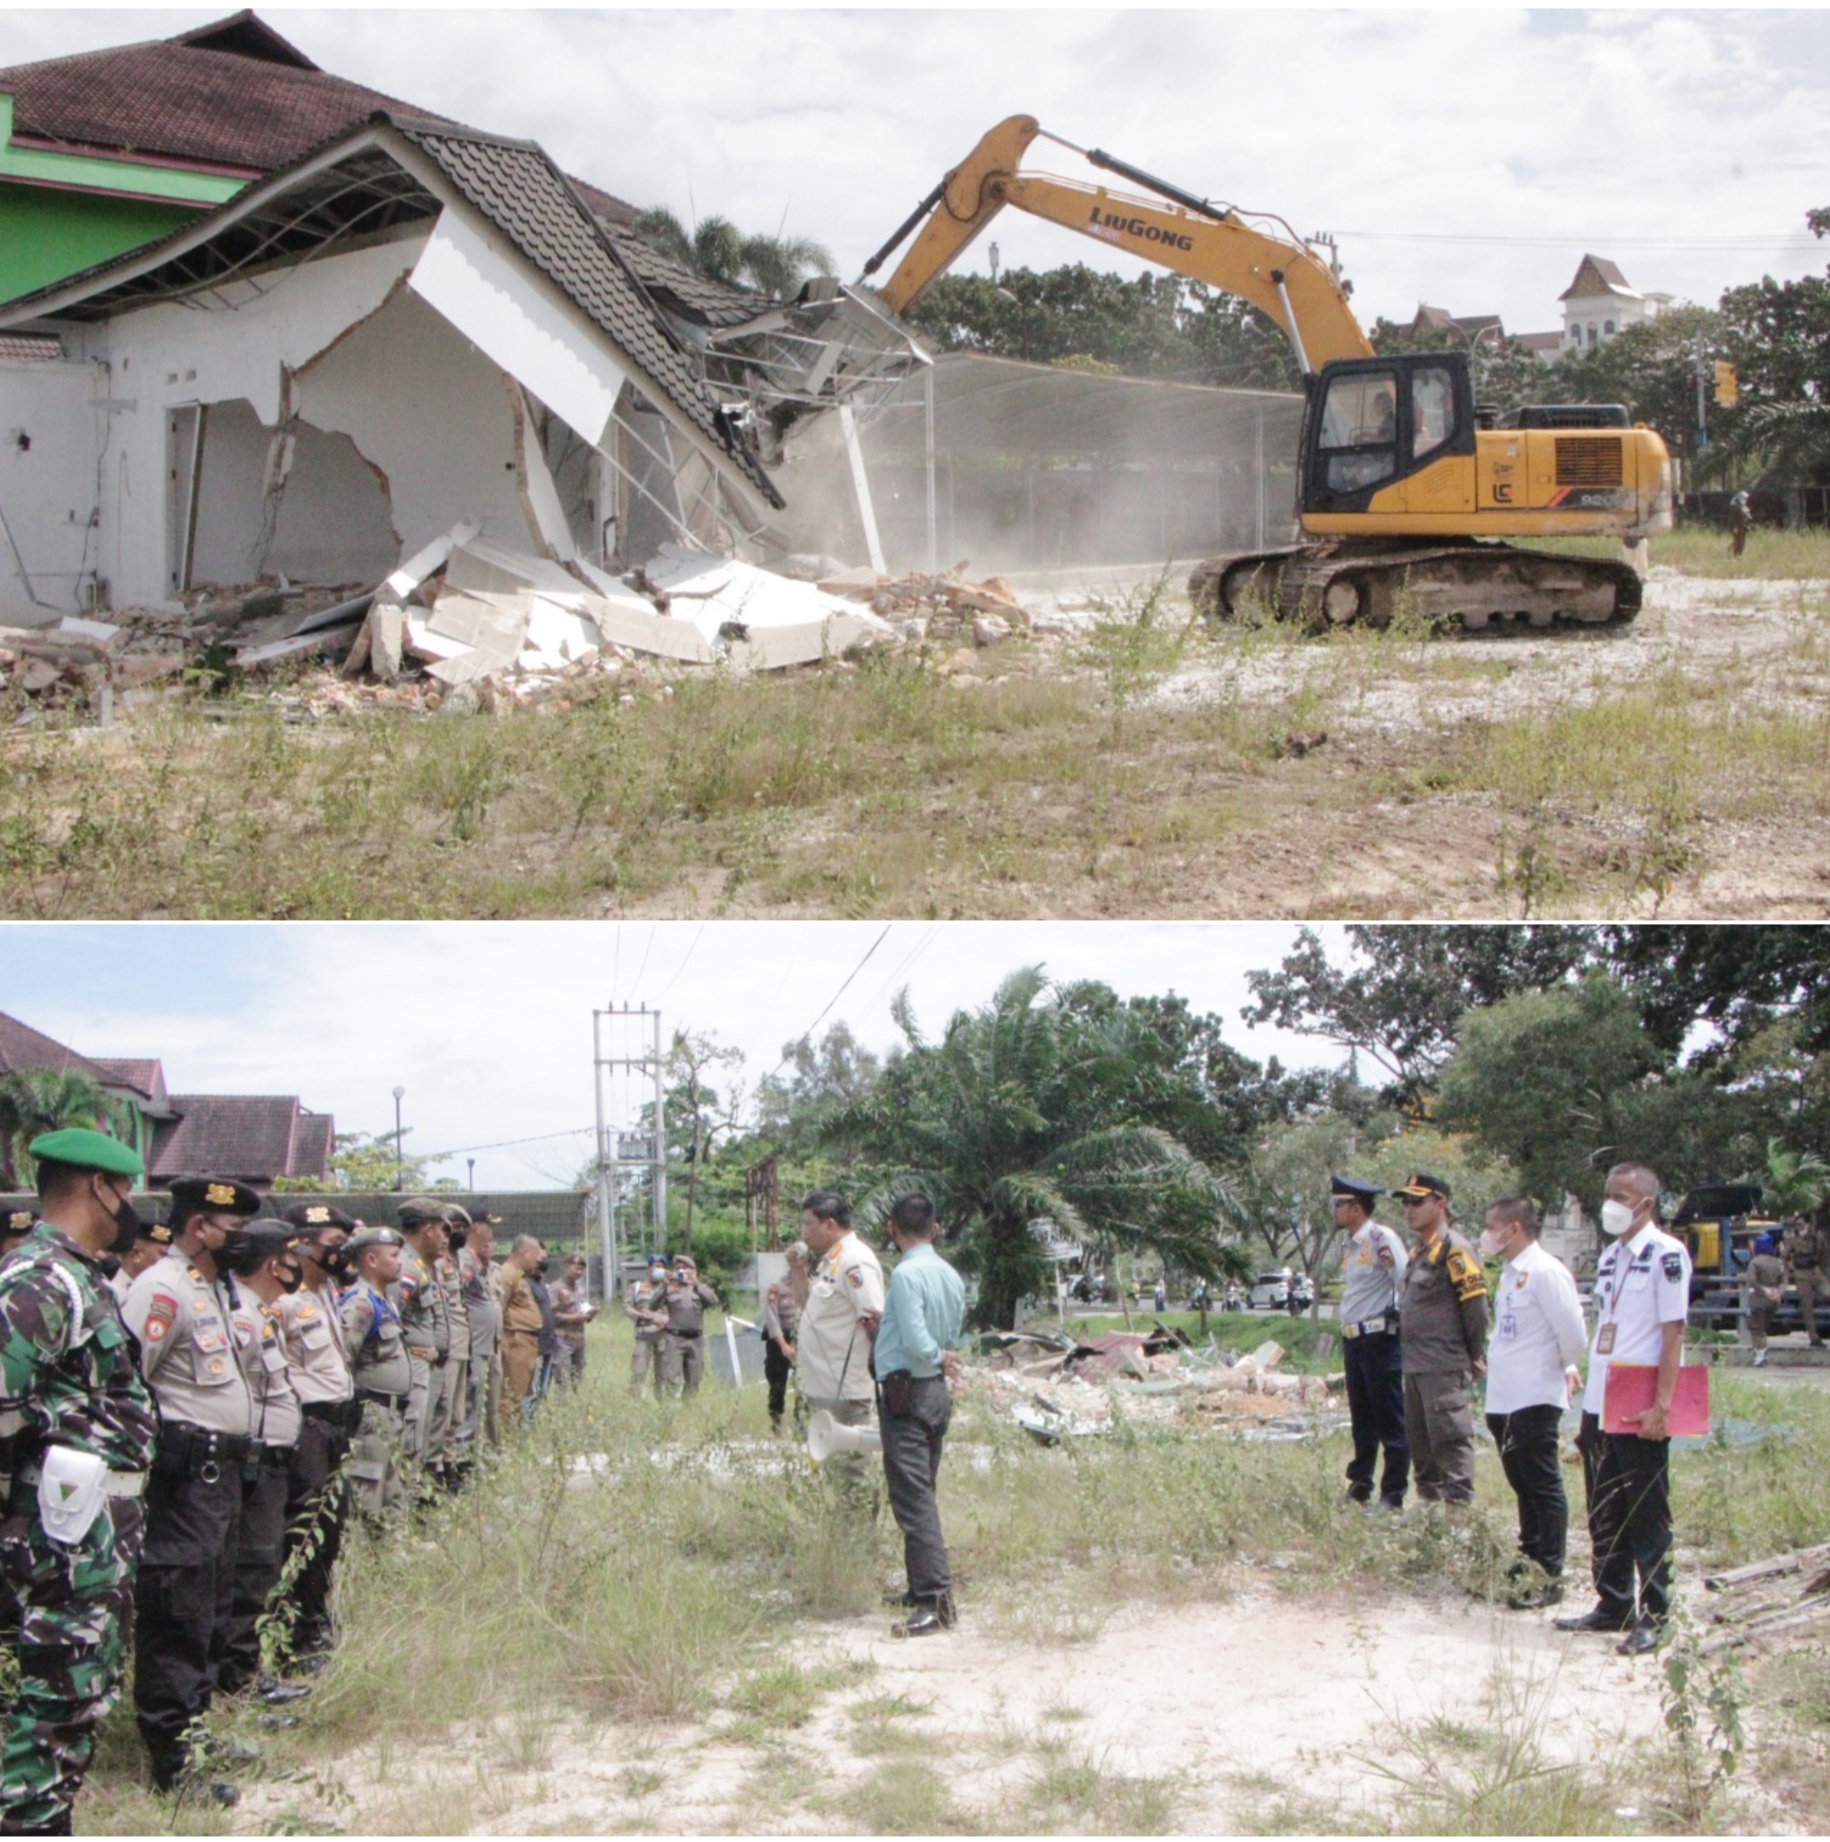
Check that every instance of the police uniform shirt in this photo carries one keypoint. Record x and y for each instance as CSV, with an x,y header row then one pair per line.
x,y
1641,1285
832,1353
457,1310
685,1302
263,1347
374,1341
312,1335
1442,1307
188,1351
1372,1270
645,1295
480,1306
1804,1247
1538,1332
422,1305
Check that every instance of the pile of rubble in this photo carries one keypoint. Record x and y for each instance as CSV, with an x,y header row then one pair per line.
x,y
467,620
1056,1388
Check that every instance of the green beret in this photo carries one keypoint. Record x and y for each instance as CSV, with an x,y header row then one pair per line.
x,y
86,1150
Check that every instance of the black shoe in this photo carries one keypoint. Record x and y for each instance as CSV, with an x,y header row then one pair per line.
x,y
1394,1504
276,1694
901,1599
1360,1494
925,1621
1597,1620
1643,1637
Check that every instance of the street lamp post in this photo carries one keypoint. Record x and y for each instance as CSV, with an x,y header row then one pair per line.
x,y
400,1156
470,1180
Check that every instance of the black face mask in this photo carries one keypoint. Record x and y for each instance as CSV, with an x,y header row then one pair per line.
x,y
456,1237
335,1262
238,1255
290,1277
127,1223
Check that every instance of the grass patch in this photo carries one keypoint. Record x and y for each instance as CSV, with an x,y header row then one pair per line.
x,y
1074,1791
904,1797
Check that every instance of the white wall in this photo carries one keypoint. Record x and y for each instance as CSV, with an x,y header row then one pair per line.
x,y
51,424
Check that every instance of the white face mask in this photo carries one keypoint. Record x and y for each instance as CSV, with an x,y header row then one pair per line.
x,y
1617,1217
1491,1243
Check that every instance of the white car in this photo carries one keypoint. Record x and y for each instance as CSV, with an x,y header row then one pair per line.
x,y
1270,1292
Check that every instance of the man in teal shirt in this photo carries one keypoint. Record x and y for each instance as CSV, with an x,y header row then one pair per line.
x,y
916,1349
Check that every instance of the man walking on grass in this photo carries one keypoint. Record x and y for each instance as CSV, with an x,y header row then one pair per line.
x,y
917,1347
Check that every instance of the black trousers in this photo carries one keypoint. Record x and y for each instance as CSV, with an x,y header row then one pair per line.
x,y
260,1548
186,1581
912,1445
776,1370
1375,1399
315,1514
1528,1442
1629,1496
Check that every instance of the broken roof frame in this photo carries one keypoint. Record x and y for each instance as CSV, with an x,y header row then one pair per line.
x,y
399,173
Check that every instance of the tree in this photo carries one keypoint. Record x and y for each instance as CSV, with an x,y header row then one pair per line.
x,y
1027,1113
1651,369
34,1101
368,1163
695,1112
840,1070
1792,1182
1503,371
1402,998
716,247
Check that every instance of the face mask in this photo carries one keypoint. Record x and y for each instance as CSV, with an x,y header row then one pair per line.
x,y
127,1223
1616,1217
290,1277
237,1255
335,1262
455,1238
1492,1244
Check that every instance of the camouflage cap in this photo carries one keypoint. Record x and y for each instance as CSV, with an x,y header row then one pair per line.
x,y
84,1149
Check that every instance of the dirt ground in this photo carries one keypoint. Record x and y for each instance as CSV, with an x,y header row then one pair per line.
x,y
1270,1712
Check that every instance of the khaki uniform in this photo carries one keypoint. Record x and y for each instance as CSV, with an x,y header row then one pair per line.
x,y
683,1341
482,1286
1442,1314
1807,1261
317,1503
1765,1287
427,1330
456,1372
383,1374
521,1326
571,1364
639,1299
833,1351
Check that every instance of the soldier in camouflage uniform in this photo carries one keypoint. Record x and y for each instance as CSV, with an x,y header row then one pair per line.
x,y
69,1390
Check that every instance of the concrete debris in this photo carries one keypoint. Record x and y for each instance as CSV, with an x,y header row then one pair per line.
x,y
1054,1388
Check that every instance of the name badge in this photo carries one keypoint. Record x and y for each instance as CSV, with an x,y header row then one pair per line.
x,y
1509,1327
1604,1340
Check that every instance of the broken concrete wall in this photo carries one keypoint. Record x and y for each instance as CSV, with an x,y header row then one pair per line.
x,y
329,522
52,420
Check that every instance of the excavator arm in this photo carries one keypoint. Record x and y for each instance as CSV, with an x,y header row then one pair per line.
x,y
1210,243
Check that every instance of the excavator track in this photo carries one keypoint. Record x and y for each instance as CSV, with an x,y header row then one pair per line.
x,y
1469,586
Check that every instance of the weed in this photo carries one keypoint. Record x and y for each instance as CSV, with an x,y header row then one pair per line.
x,y
904,1797
1076,1791
1703,1696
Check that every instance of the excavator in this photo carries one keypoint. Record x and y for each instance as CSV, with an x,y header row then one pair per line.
x,y
1404,479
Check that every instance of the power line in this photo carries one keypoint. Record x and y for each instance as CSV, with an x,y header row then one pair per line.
x,y
649,948
672,982
836,996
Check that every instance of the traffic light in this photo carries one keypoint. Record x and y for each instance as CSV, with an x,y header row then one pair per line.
x,y
1728,385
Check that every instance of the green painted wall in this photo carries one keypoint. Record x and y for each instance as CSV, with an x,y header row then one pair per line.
x,y
46,235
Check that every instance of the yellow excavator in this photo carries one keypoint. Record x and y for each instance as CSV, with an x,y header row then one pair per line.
x,y
1403,478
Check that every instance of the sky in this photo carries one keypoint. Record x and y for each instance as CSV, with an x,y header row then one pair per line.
x,y
488,1027
1465,156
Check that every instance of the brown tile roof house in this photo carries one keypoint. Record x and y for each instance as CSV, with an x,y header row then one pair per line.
x,y
26,1050
253,1137
145,1080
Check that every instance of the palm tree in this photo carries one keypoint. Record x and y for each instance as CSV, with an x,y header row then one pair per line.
x,y
716,247
34,1100
1794,1182
1024,1117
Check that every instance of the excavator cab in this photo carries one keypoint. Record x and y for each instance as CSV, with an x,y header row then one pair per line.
x,y
1372,422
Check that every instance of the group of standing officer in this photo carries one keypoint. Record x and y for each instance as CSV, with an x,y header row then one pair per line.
x,y
186,1409
667,1307
1415,1325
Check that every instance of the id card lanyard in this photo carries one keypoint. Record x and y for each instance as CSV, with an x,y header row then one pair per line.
x,y
1604,1336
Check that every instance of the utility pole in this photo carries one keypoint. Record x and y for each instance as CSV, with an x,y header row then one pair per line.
x,y
626,1072
1703,374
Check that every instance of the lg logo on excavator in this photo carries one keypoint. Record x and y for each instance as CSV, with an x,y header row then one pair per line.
x,y
1139,227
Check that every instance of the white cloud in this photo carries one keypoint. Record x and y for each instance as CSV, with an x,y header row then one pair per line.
x,y
1687,145
488,1027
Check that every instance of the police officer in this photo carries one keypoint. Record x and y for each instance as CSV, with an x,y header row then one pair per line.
x,y
781,1319
427,1328
458,1427
182,1312
642,1305
266,1268
380,1368
1442,1323
1762,1291
1807,1266
75,1416
1642,1300
683,1342
483,1304
317,1499
572,1311
149,1245
1372,1269
832,1356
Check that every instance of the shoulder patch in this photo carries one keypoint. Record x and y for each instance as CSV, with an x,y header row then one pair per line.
x,y
1384,1256
163,1310
1465,1275
856,1276
1674,1266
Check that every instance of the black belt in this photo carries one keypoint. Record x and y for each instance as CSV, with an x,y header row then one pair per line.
x,y
183,1447
684,1333
275,1457
393,1402
341,1415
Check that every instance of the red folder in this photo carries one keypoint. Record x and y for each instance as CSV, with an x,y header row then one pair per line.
x,y
1632,1387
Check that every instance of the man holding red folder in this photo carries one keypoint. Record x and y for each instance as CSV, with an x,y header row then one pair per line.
x,y
1642,1298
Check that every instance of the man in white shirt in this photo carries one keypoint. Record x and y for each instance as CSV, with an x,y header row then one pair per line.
x,y
1538,1334
832,1354
1642,1298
